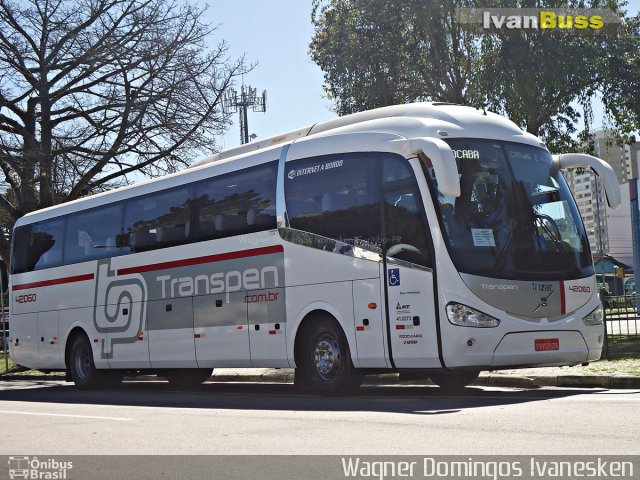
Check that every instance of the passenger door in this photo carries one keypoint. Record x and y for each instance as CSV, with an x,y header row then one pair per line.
x,y
409,278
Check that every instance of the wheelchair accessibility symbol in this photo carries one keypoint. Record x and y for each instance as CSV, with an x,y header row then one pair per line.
x,y
393,277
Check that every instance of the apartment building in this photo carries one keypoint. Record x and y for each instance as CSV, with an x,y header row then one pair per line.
x,y
609,230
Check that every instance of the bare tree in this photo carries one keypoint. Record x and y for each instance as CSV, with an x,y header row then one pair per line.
x,y
92,91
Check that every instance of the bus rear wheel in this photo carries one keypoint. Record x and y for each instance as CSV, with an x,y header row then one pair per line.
x,y
187,377
325,364
454,381
83,370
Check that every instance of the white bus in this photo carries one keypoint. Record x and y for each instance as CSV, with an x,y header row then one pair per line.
x,y
430,238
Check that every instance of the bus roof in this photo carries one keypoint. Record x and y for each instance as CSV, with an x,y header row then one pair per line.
x,y
423,119
440,115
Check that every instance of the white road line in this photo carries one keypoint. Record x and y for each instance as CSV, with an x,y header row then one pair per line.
x,y
119,419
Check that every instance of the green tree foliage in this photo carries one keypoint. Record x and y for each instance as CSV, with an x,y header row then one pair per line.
x,y
622,80
92,91
377,53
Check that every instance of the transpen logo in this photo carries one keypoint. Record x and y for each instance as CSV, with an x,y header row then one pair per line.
x,y
119,306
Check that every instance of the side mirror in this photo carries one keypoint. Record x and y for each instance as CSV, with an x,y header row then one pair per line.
x,y
600,167
441,157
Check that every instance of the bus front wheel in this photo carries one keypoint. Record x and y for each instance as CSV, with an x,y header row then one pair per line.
x,y
454,381
325,365
83,370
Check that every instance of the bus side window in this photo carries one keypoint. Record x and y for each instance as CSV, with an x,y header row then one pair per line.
x,y
234,204
337,197
46,243
157,220
405,235
37,246
21,255
404,219
92,234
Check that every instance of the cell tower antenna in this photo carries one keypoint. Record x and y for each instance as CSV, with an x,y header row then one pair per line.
x,y
232,102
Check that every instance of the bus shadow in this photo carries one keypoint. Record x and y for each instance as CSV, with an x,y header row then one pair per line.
x,y
417,400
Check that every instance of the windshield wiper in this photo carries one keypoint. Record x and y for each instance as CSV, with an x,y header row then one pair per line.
x,y
555,238
522,205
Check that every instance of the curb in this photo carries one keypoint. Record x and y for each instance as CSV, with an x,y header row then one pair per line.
x,y
509,381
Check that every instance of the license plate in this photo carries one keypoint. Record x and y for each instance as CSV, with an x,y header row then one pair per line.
x,y
545,344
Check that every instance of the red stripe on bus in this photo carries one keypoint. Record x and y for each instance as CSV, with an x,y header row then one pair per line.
x,y
563,301
254,252
55,281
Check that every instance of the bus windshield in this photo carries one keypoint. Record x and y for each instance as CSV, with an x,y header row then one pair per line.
x,y
515,217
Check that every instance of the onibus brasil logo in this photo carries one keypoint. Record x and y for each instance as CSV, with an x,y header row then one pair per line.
x,y
35,468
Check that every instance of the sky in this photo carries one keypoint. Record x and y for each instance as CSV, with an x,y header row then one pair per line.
x,y
275,34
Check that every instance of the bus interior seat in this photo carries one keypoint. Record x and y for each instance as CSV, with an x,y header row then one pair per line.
x,y
406,201
202,230
230,224
297,208
141,241
48,258
169,234
261,217
332,202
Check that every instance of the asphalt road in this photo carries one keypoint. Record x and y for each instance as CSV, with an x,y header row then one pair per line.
x,y
53,418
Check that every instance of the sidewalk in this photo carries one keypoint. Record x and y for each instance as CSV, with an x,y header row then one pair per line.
x,y
575,377
528,378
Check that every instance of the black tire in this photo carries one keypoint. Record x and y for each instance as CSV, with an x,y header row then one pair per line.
x,y
187,377
454,381
301,380
83,370
325,365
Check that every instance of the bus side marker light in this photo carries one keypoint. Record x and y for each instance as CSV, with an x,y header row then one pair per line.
x,y
399,327
360,328
197,335
140,336
372,306
272,332
238,327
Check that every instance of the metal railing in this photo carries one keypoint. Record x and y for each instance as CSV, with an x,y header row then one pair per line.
x,y
622,326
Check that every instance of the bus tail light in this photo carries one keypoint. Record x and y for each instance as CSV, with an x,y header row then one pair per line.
x,y
464,316
594,318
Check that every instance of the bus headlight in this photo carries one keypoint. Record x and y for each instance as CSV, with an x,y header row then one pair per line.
x,y
594,318
464,316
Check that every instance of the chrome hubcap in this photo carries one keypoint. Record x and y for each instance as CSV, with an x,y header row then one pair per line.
x,y
327,357
82,362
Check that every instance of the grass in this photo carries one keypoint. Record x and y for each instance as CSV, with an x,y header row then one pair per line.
x,y
19,369
620,366
623,346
